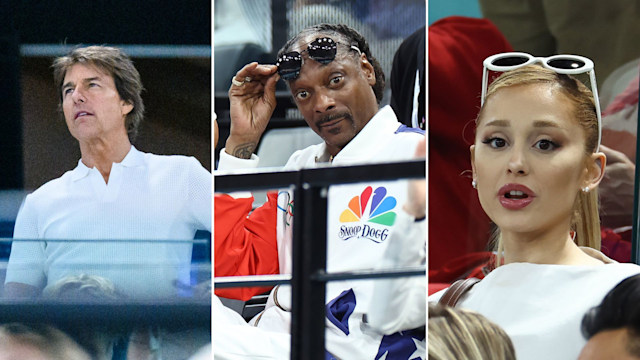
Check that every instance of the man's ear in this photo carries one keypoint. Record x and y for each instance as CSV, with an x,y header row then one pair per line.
x,y
126,106
368,69
594,172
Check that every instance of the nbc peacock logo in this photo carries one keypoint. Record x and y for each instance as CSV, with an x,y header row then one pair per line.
x,y
366,212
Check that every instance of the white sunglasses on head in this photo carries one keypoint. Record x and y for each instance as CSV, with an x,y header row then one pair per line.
x,y
562,64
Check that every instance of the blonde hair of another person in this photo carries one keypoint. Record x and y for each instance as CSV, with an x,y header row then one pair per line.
x,y
456,333
37,342
98,340
83,287
585,221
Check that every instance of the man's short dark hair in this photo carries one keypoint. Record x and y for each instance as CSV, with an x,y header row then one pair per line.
x,y
349,36
114,62
620,309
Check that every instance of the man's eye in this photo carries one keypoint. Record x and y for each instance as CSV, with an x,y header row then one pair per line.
x,y
93,84
301,95
67,91
336,80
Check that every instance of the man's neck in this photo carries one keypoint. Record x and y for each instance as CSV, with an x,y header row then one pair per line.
x,y
333,151
102,155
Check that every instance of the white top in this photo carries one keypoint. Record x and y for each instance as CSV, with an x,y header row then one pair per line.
x,y
234,339
541,306
148,198
354,241
401,302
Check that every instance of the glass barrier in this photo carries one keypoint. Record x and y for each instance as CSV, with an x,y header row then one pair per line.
x,y
123,269
116,298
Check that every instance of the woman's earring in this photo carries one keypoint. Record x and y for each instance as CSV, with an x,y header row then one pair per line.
x,y
585,189
474,184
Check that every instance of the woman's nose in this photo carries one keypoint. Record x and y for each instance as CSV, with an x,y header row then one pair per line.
x,y
517,162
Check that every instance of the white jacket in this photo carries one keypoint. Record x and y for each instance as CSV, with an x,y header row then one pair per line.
x,y
360,219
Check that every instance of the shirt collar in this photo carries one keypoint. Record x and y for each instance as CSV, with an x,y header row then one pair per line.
x,y
322,155
133,158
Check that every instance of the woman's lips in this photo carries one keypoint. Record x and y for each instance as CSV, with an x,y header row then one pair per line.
x,y
515,196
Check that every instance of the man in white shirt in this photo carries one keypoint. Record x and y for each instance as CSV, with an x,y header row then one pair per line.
x,y
337,86
111,210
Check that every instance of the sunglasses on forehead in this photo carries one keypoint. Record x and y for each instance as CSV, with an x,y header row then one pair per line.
x,y
322,50
561,64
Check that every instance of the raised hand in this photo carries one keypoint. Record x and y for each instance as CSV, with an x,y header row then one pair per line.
x,y
252,98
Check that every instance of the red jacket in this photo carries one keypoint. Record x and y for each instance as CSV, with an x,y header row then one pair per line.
x,y
244,241
457,224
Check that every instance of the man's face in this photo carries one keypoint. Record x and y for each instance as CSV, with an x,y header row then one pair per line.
x,y
336,99
91,104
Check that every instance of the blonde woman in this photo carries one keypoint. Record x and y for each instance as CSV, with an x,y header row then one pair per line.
x,y
463,334
536,166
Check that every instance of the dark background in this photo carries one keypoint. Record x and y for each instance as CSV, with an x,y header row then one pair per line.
x,y
35,145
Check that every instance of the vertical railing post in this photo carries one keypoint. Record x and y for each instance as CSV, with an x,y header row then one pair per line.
x,y
309,258
635,235
279,25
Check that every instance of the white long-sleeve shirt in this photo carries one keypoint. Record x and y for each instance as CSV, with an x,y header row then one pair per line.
x,y
359,220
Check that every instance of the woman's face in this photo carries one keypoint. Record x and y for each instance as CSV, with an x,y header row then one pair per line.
x,y
529,158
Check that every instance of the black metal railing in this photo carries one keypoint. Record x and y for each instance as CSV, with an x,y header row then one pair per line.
x,y
189,309
635,235
309,275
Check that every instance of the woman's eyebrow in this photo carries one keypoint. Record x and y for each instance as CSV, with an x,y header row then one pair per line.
x,y
498,122
545,123
536,123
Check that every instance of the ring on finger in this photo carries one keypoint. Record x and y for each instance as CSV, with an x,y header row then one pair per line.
x,y
236,82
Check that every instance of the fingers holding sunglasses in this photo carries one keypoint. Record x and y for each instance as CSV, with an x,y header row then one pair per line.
x,y
254,81
252,73
252,102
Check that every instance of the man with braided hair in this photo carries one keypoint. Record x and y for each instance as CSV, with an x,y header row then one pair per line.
x,y
337,86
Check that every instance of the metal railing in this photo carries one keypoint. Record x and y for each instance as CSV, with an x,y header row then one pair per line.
x,y
185,311
309,275
635,234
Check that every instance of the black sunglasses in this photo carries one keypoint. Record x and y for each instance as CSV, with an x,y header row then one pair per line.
x,y
322,50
